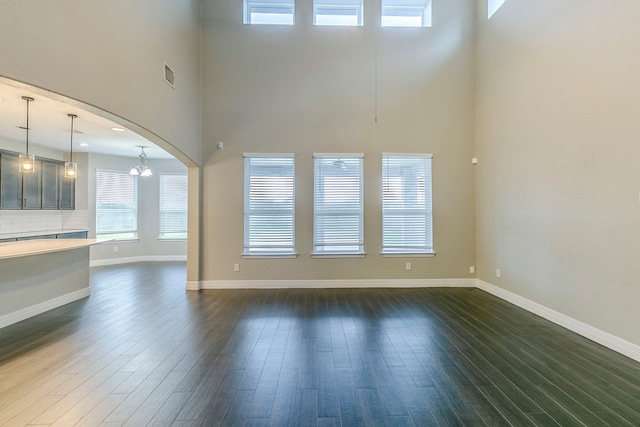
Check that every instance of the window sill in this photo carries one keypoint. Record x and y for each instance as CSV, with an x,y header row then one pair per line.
x,y
115,240
339,255
169,239
408,255
270,256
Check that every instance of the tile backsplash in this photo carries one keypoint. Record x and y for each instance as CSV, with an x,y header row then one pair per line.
x,y
26,221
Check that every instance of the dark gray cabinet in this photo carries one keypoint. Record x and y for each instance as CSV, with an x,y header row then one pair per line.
x,y
46,188
50,184
73,235
10,182
67,197
32,188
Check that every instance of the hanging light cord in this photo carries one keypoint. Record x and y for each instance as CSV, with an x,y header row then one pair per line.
x,y
73,116
28,101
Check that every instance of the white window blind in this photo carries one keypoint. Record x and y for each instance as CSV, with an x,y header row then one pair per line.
x,y
173,206
269,204
269,12
406,204
338,204
116,205
406,13
337,12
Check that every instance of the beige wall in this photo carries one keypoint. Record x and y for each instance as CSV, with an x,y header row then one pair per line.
x,y
111,54
305,89
558,182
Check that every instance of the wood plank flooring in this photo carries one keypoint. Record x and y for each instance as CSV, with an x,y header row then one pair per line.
x,y
143,351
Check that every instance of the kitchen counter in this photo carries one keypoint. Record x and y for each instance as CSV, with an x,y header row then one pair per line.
x,y
35,247
39,275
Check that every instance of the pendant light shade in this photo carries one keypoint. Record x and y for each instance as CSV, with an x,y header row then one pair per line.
x,y
71,167
27,162
141,169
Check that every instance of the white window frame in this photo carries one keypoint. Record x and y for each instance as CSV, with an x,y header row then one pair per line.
x,y
255,199
330,8
406,8
330,242
407,209
165,231
283,8
493,6
125,233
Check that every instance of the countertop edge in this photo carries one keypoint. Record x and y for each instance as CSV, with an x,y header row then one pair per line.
x,y
24,248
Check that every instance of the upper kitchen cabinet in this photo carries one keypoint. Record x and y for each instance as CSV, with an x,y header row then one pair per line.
x,y
67,198
46,188
50,184
10,182
32,188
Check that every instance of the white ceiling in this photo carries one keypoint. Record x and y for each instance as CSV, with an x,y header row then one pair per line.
x,y
50,126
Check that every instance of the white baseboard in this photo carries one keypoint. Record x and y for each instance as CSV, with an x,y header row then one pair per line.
x,y
34,310
316,284
594,334
134,259
193,286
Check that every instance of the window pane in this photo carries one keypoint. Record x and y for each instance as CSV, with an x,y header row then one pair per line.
x,y
493,6
337,12
406,13
269,12
116,205
269,205
338,205
173,206
406,204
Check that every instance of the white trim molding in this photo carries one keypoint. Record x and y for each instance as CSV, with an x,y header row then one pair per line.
x,y
34,310
332,284
594,334
193,286
134,259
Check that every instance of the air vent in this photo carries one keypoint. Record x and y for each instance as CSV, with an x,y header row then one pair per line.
x,y
169,76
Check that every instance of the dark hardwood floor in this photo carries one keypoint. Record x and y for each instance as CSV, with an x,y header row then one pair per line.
x,y
143,351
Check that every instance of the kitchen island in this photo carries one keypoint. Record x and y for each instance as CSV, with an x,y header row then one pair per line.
x,y
40,275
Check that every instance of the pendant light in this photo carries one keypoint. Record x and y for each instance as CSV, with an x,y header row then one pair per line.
x,y
27,161
71,167
142,168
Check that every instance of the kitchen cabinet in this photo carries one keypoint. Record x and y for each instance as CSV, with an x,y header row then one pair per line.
x,y
46,188
10,182
32,188
67,198
72,235
50,184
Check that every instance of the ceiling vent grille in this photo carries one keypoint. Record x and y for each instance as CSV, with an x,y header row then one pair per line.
x,y
169,76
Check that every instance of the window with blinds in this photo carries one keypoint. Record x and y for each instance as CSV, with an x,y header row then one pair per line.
x,y
406,204
269,12
116,205
173,206
338,204
337,12
405,13
269,204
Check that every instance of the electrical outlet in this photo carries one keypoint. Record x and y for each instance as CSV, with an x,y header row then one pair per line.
x,y
498,272
236,267
115,249
407,266
472,269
